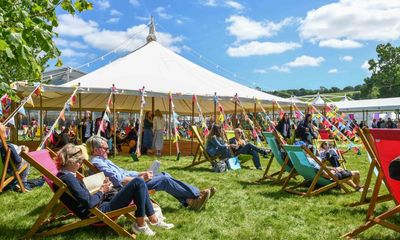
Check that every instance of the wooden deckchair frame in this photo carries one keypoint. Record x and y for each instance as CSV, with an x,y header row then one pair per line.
x,y
200,150
311,191
342,159
370,147
279,173
50,212
4,181
372,220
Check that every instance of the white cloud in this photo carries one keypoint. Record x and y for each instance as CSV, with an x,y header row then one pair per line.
x,y
234,5
113,20
333,71
306,61
357,20
115,13
210,3
261,71
75,26
244,28
336,43
103,4
282,69
162,13
73,44
347,58
68,52
256,48
134,2
365,65
179,21
105,39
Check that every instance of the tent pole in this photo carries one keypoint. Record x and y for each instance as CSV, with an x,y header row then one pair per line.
x,y
115,127
215,107
255,115
235,116
152,105
80,117
169,127
41,117
273,110
192,123
366,117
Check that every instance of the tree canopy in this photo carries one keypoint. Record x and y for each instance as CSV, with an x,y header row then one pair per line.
x,y
385,78
27,29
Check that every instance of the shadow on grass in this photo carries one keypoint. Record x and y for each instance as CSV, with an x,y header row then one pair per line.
x,y
192,169
279,194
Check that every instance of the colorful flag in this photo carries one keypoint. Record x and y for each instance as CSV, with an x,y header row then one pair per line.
x,y
21,110
30,101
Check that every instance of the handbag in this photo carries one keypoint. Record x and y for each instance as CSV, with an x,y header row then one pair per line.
x,y
233,163
219,166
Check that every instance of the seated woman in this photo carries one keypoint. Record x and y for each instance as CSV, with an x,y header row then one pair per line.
x,y
216,145
340,173
69,160
327,152
240,146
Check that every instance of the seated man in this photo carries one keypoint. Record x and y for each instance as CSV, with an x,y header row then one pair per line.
x,y
16,158
186,194
240,146
340,173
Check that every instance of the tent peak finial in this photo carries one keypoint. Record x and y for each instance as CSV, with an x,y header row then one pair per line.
x,y
152,31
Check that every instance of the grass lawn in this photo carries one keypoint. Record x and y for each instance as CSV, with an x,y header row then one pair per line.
x,y
241,209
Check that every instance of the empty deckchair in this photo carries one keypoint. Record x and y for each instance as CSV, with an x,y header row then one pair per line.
x,y
374,167
332,142
301,165
43,161
7,161
275,143
201,150
386,143
324,134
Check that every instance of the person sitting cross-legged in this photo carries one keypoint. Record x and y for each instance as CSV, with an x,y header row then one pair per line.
x,y
240,146
69,159
187,195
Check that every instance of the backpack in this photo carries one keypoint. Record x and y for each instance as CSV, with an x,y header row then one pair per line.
x,y
219,166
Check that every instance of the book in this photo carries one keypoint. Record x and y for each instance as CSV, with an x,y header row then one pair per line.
x,y
154,167
94,182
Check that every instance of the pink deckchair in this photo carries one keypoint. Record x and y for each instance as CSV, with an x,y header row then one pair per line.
x,y
43,161
387,142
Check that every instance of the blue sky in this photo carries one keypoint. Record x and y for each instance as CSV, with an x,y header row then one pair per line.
x,y
271,44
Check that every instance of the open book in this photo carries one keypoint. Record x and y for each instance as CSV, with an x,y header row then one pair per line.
x,y
154,167
94,182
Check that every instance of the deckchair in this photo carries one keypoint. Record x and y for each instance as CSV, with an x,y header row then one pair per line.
x,y
43,162
374,167
324,134
275,143
386,143
301,164
4,163
200,151
332,142
242,157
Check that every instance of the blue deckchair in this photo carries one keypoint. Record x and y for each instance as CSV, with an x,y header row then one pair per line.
x,y
275,143
301,164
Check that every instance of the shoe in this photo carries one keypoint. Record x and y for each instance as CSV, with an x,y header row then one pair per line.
x,y
198,203
266,153
144,230
161,224
158,213
134,157
212,190
17,188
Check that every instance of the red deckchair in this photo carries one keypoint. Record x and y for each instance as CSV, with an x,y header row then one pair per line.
x,y
387,142
324,134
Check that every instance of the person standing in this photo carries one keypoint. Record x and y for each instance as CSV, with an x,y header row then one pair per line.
x,y
158,128
147,133
87,127
283,127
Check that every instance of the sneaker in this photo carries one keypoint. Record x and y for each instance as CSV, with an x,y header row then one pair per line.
x,y
198,203
144,230
162,224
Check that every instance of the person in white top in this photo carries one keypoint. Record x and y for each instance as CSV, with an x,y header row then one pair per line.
x,y
158,129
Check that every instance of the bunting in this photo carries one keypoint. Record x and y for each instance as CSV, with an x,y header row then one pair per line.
x,y
142,104
201,117
174,125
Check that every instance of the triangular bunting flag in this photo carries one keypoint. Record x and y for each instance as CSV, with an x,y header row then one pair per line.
x,y
62,115
21,110
30,101
11,121
106,117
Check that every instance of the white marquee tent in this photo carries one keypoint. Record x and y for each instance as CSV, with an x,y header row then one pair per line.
x,y
160,71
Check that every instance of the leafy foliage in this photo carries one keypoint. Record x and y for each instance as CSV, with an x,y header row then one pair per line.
x,y
385,78
323,90
26,37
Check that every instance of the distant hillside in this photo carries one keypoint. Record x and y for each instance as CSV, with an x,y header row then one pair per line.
x,y
350,91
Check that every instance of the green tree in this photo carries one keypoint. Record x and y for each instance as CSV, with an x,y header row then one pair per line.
x,y
26,37
385,78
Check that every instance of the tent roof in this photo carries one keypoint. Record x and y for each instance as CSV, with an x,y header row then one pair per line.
x,y
318,100
161,70
369,104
